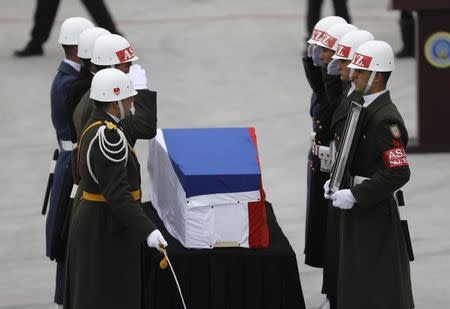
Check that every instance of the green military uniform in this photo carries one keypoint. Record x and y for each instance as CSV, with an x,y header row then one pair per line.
x,y
373,269
142,125
104,249
331,248
82,112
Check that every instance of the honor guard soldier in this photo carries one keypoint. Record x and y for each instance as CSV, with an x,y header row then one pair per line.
x,y
315,213
88,69
68,200
373,263
108,51
316,204
104,254
115,51
328,45
324,148
67,74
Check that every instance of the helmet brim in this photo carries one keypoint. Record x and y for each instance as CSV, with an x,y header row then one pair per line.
x,y
339,57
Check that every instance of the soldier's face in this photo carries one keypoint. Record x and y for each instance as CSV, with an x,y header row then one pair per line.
x,y
361,77
124,67
326,54
343,70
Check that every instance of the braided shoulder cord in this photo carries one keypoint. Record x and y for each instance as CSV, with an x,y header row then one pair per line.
x,y
106,151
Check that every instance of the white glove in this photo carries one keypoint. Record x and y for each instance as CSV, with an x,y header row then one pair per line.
x,y
332,68
343,199
156,240
326,190
310,51
325,304
138,77
316,56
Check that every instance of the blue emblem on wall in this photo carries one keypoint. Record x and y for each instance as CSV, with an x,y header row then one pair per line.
x,y
437,49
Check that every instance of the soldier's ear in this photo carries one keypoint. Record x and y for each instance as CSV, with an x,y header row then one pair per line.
x,y
379,78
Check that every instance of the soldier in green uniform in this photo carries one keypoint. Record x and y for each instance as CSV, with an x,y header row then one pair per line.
x,y
113,50
373,264
103,268
339,93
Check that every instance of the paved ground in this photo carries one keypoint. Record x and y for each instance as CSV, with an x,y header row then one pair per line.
x,y
213,63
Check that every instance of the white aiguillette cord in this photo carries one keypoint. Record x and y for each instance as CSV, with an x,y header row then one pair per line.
x,y
164,251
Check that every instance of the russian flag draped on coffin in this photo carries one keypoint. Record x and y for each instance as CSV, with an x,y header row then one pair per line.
x,y
206,186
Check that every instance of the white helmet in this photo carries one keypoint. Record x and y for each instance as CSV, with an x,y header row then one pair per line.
x,y
87,39
375,56
348,44
112,49
71,29
323,25
111,85
334,34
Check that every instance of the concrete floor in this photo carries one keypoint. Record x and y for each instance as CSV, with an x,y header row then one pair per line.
x,y
213,63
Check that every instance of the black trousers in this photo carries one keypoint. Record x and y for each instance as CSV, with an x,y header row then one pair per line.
x,y
315,6
45,13
407,27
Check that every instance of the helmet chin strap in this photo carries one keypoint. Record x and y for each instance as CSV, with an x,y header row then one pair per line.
x,y
370,81
350,74
122,111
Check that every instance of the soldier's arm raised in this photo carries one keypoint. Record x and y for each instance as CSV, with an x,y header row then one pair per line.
x,y
141,125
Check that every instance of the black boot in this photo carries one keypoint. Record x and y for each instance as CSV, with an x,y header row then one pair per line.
x,y
408,38
31,49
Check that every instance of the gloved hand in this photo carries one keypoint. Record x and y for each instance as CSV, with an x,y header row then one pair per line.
x,y
138,77
156,240
343,199
310,51
316,56
332,68
326,190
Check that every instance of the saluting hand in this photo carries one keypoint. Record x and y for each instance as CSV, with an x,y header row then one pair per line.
x,y
316,56
138,77
332,68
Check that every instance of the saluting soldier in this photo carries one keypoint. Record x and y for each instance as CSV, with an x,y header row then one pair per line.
x,y
373,264
347,46
105,243
339,90
331,77
113,50
67,74
316,211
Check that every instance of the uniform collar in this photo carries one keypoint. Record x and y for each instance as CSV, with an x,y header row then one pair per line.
x,y
99,114
67,69
368,99
73,64
352,88
116,119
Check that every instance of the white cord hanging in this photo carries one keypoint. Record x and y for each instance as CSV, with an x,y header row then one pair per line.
x,y
175,277
103,145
